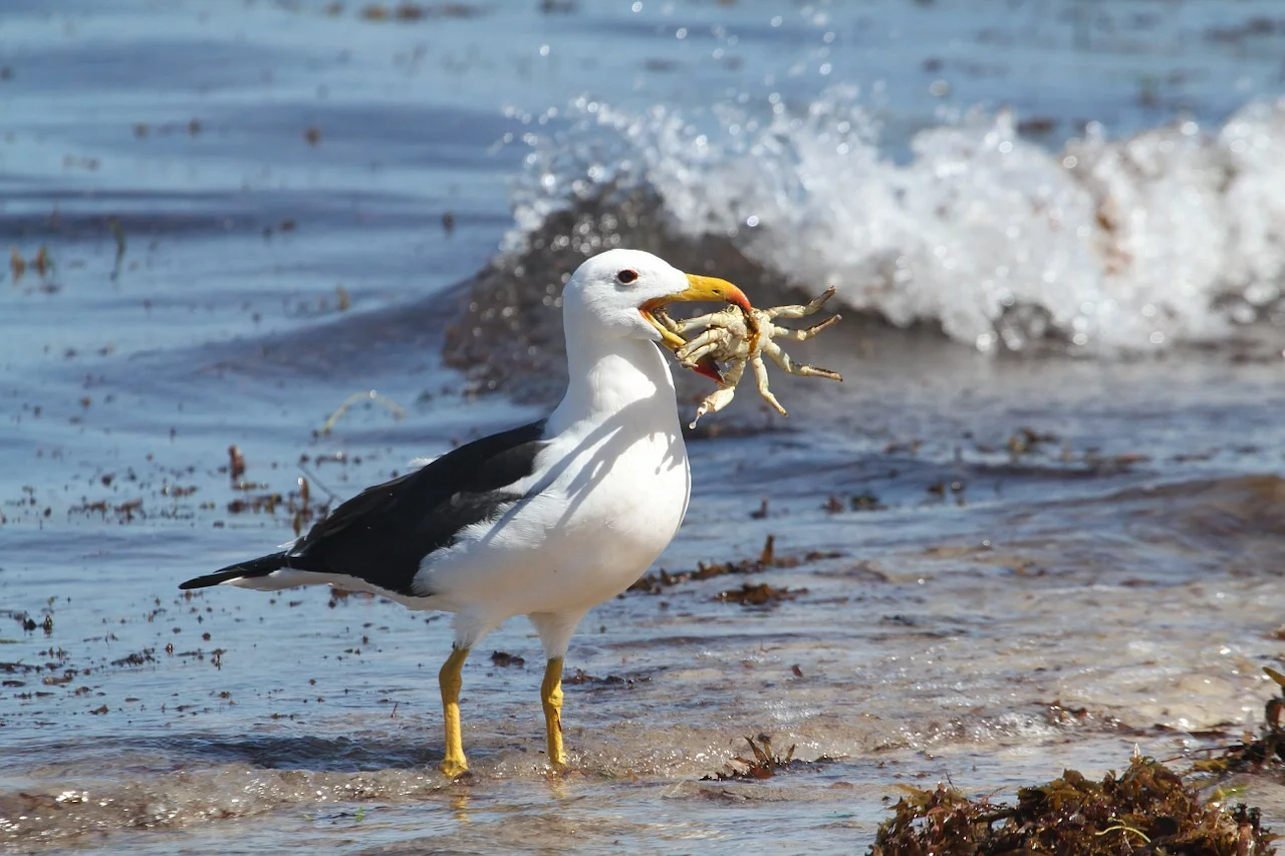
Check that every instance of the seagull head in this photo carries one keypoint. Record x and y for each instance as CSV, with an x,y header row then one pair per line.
x,y
616,293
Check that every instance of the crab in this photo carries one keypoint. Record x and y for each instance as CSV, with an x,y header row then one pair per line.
x,y
734,337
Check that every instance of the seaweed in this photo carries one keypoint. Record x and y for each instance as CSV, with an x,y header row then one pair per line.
x,y
767,559
415,12
761,594
504,659
236,463
764,764
865,501
580,676
369,395
125,511
1027,439
299,503
1255,753
138,658
1147,809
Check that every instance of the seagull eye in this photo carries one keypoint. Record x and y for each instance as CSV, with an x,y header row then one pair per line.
x,y
626,276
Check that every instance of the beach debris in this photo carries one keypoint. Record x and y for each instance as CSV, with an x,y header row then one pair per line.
x,y
504,659
768,554
236,463
407,11
1147,809
764,762
1275,706
580,676
857,502
866,502
298,504
761,594
1026,439
1255,753
24,618
264,502
42,263
736,338
383,401
125,511
138,658
767,559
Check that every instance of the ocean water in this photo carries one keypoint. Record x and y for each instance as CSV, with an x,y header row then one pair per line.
x,y
1041,523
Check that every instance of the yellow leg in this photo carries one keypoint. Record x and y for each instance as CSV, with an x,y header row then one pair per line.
x,y
551,699
454,764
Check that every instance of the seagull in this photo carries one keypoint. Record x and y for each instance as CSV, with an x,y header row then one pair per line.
x,y
546,520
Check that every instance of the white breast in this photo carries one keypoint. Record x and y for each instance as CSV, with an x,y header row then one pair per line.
x,y
608,500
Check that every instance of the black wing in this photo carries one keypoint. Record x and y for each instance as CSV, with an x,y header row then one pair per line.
x,y
382,534
259,567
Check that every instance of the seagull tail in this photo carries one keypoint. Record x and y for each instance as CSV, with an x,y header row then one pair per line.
x,y
259,567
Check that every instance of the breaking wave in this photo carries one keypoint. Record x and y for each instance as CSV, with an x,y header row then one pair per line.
x,y
1176,234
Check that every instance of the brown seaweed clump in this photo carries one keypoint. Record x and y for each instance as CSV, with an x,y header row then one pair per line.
x,y
1148,810
764,764
1260,753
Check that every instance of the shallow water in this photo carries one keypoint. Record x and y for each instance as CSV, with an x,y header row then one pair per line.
x,y
1019,562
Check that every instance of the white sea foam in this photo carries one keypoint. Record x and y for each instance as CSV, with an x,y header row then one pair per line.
x,y
1175,234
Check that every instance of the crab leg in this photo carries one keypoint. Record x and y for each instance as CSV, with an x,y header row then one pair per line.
x,y
668,323
795,311
803,335
721,397
782,359
711,320
760,374
708,343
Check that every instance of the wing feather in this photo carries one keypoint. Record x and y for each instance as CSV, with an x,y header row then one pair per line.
x,y
382,534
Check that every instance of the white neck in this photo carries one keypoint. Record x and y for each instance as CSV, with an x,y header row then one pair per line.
x,y
608,374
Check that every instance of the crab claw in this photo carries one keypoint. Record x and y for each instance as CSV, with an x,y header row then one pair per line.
x,y
699,288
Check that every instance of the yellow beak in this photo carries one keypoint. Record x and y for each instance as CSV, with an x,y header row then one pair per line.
x,y
709,288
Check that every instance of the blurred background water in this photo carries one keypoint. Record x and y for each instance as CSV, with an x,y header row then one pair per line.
x,y
1040,523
